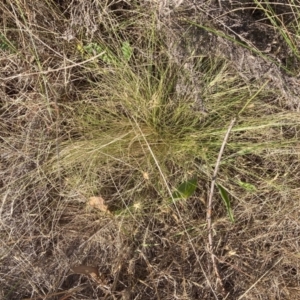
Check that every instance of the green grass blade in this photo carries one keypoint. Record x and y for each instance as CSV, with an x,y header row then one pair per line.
x,y
247,186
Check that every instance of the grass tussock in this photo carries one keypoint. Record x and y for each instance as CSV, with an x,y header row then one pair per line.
x,y
109,101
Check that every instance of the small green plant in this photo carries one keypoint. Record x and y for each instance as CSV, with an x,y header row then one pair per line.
x,y
225,197
108,56
126,50
185,190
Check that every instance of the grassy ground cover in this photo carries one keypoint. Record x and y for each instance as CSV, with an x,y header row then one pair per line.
x,y
113,116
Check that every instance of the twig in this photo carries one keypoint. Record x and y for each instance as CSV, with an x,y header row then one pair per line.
x,y
54,70
209,209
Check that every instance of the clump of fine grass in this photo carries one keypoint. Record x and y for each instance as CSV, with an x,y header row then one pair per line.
x,y
133,120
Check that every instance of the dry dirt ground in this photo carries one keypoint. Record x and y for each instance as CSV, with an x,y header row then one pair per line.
x,y
54,247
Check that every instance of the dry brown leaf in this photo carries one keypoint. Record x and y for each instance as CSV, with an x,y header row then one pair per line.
x,y
98,203
86,270
90,271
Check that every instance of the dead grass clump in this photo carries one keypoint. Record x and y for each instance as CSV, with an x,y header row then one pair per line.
x,y
104,115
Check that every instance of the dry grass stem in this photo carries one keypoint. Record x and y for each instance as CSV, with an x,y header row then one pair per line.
x,y
209,210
